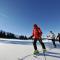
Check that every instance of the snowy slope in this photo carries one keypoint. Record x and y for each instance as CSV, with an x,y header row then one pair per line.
x,y
10,50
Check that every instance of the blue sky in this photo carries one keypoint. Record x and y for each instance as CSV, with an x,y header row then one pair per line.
x,y
18,16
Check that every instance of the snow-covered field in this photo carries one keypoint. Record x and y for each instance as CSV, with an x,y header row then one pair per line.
x,y
11,49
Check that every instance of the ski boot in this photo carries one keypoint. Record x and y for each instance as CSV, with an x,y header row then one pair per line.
x,y
36,52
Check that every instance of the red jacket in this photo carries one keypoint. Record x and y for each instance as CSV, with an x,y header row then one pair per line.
x,y
37,33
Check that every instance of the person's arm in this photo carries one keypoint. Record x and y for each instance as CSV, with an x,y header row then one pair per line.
x,y
32,35
40,31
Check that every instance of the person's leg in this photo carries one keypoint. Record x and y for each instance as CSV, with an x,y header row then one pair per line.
x,y
42,44
59,39
35,47
34,44
53,40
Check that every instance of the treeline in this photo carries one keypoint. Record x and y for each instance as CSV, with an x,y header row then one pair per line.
x,y
9,35
23,37
4,34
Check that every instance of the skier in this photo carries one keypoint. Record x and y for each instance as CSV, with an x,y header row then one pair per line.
x,y
58,36
37,36
51,36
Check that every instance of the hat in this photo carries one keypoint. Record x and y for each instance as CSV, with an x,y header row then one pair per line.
x,y
50,31
35,25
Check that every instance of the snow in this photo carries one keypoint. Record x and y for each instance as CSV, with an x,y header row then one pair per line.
x,y
24,50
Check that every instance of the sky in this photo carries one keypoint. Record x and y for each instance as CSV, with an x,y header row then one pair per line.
x,y
19,16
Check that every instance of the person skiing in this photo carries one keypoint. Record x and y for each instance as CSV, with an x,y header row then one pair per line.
x,y
58,36
37,36
51,36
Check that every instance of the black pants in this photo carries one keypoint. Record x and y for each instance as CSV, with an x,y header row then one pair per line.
x,y
40,41
53,40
